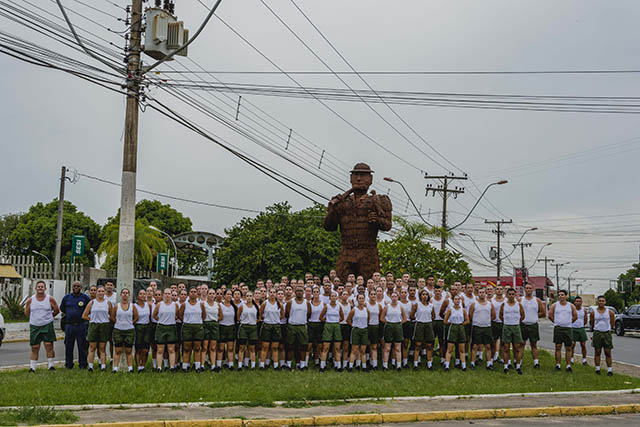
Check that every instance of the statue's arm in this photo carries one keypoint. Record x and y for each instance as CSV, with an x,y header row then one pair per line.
x,y
332,219
385,221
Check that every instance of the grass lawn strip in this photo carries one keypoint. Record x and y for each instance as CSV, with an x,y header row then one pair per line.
x,y
62,387
29,415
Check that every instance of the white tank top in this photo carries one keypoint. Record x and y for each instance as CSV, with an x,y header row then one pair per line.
x,y
407,307
346,309
496,306
511,313
124,318
249,315
298,313
153,309
167,313
40,313
360,318
228,315
437,305
602,321
530,307
423,312
144,314
212,312
192,313
333,314
374,313
562,315
315,312
481,314
394,314
99,312
112,299
457,315
468,301
271,313
579,323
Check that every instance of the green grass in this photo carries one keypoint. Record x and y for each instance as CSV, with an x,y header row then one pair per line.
x,y
35,415
263,388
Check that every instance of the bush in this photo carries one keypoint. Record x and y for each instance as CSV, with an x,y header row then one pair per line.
x,y
12,309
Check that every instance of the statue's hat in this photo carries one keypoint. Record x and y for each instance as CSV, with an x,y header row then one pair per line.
x,y
361,168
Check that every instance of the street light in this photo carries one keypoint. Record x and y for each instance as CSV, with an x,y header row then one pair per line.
x,y
501,182
42,255
386,178
175,262
476,245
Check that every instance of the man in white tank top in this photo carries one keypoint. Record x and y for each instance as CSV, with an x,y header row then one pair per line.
x,y
578,332
41,309
512,315
562,313
603,322
298,311
533,310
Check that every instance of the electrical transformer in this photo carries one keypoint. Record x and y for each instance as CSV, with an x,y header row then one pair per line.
x,y
163,33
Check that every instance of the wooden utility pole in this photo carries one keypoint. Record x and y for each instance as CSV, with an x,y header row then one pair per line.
x,y
56,257
499,233
126,240
546,287
445,192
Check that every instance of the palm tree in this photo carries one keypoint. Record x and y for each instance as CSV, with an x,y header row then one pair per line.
x,y
416,230
148,243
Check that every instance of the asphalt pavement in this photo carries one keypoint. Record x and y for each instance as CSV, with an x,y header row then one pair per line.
x,y
17,353
608,420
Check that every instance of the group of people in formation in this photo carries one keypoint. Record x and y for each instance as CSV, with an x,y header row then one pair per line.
x,y
381,323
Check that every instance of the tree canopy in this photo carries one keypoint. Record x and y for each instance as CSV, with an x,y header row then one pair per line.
x,y
626,283
36,230
148,243
275,243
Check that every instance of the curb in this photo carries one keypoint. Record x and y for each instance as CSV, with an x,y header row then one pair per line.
x,y
320,402
400,417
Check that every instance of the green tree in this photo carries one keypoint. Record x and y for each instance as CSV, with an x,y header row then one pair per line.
x,y
627,283
614,299
36,230
172,222
407,252
148,243
275,243
8,223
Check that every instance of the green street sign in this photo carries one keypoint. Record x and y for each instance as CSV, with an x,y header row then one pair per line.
x,y
77,245
163,260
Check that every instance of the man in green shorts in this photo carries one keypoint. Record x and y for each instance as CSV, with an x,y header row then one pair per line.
x,y
602,321
563,314
41,309
512,314
579,334
297,311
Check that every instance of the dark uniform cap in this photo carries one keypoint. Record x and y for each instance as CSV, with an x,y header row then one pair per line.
x,y
361,168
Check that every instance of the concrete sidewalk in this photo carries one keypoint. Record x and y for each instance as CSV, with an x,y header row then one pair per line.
x,y
370,407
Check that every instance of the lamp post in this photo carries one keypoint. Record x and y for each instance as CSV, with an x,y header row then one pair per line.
x,y
175,250
42,255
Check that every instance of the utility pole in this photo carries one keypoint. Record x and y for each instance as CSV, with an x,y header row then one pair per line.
x,y
499,233
56,258
546,277
445,192
557,266
126,239
525,273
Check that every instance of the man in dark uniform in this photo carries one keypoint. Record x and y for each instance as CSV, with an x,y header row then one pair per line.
x,y
360,216
75,329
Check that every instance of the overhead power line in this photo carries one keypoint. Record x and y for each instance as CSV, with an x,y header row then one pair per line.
x,y
419,72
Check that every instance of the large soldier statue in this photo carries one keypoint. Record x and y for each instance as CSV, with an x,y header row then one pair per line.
x,y
360,216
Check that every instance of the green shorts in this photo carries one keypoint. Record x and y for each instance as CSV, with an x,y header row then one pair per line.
x,y
456,334
271,333
374,334
166,334
438,330
227,333
297,335
211,330
579,335
467,331
247,334
511,334
359,336
143,336
407,330
496,330
38,334
314,329
123,337
99,332
345,331
602,340
423,333
192,332
393,332
283,333
481,335
530,332
332,332
562,335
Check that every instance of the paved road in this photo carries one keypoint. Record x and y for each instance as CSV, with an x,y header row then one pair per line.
x,y
18,353
595,421
625,349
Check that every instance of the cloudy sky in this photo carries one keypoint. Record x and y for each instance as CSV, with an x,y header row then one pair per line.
x,y
573,175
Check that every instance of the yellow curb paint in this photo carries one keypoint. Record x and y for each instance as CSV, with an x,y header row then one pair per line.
x,y
274,422
366,418
302,421
400,417
327,420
